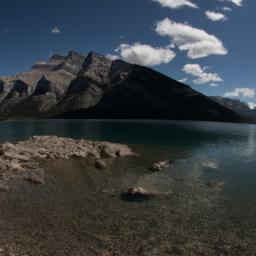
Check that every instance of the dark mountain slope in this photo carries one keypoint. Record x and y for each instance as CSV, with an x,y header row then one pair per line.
x,y
146,93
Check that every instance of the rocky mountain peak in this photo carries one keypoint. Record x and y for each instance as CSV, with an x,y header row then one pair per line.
x,y
96,67
56,58
72,63
93,56
73,54
119,70
47,66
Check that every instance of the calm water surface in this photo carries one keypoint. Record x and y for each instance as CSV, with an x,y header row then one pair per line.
x,y
208,205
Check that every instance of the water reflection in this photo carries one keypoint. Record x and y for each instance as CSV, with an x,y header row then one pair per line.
x,y
249,150
136,132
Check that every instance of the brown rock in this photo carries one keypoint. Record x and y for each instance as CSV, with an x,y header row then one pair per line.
x,y
115,150
1,150
100,164
4,188
215,184
138,194
160,166
37,178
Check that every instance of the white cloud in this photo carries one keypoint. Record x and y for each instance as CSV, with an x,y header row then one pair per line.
x,y
215,16
202,77
251,105
112,57
174,4
197,42
55,30
146,55
241,92
236,2
214,85
226,9
183,80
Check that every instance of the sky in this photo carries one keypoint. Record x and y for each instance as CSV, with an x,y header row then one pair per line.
x,y
207,44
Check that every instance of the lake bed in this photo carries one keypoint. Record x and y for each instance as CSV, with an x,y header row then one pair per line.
x,y
207,204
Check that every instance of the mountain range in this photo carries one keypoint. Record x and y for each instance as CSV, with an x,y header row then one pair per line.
x,y
237,106
94,86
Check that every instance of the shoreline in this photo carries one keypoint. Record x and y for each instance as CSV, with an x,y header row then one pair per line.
x,y
125,120
21,159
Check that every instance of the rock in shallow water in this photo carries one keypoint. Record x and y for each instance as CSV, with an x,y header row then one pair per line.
x,y
160,166
4,188
215,184
36,178
210,164
138,194
100,164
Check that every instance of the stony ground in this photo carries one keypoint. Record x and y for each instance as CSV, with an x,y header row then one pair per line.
x,y
21,159
79,210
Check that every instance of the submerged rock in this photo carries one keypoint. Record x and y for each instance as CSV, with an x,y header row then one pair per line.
x,y
100,164
4,188
210,164
215,184
138,194
36,177
160,166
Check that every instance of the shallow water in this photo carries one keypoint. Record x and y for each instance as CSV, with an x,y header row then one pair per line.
x,y
207,207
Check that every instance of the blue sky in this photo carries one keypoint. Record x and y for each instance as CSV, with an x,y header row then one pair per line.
x,y
215,53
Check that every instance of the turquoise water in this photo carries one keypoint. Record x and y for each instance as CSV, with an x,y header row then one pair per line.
x,y
208,207
232,146
181,133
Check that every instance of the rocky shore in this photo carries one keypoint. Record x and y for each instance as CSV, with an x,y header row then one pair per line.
x,y
22,159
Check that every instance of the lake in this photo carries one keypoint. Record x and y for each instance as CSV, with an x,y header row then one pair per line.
x,y
207,207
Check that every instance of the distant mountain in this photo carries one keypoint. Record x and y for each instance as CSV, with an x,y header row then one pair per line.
x,y
237,106
93,86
